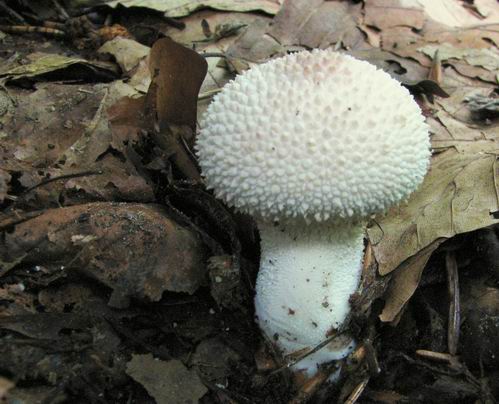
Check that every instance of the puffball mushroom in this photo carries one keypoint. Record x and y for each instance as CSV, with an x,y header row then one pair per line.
x,y
310,144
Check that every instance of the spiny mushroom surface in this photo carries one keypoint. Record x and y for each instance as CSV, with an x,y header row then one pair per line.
x,y
310,144
315,135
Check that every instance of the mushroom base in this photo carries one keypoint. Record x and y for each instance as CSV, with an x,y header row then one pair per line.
x,y
307,275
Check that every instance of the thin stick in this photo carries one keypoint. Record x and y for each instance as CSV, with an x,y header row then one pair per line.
x,y
454,306
48,181
213,55
62,12
357,392
11,12
304,355
24,29
436,356
209,94
62,177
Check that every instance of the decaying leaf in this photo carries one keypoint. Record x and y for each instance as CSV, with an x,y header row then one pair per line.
x,y
458,195
393,13
212,359
405,70
482,63
178,73
59,297
454,14
34,394
214,22
19,301
107,242
167,382
295,27
44,64
483,105
62,130
127,52
103,150
485,58
47,121
43,325
182,8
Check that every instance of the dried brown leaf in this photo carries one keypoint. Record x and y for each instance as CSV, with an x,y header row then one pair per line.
x,y
404,282
59,297
109,152
17,300
167,382
482,63
478,37
405,70
393,13
455,14
34,394
47,121
485,58
484,106
317,24
178,73
194,34
182,8
43,64
302,24
136,250
43,325
213,359
127,52
458,195
63,130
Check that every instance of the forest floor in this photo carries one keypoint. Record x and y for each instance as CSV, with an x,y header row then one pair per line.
x,y
123,280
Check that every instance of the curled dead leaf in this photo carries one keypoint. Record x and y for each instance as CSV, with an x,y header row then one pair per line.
x,y
458,195
178,73
44,64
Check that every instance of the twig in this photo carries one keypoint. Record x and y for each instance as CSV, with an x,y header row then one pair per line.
x,y
209,93
449,359
22,29
11,12
213,55
21,196
372,359
357,392
435,72
454,306
304,355
61,177
62,12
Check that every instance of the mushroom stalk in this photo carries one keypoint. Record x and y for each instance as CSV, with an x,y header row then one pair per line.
x,y
307,275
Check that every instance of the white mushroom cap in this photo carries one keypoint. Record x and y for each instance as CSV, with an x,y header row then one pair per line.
x,y
316,135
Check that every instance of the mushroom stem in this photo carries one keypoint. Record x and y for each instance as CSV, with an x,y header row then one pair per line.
x,y
307,275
